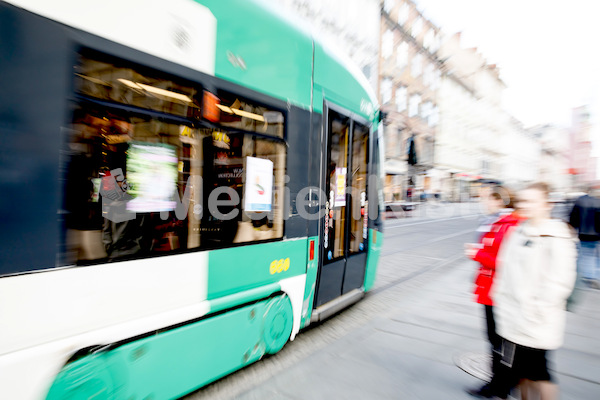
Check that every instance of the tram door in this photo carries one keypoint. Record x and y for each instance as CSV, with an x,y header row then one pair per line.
x,y
344,233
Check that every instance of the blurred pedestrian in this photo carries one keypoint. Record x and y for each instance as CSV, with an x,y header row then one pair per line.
x,y
536,274
584,218
492,206
498,203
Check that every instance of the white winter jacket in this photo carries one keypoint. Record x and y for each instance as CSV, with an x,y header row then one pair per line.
x,y
536,271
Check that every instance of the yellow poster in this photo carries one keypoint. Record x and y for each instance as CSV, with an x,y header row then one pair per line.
x,y
340,192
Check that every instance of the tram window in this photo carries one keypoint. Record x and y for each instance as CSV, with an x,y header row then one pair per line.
x,y
252,170
122,172
358,204
334,241
126,175
121,84
139,184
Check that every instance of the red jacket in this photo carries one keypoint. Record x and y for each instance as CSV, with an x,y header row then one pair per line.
x,y
487,256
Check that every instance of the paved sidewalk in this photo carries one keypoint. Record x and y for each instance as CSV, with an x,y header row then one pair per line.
x,y
409,349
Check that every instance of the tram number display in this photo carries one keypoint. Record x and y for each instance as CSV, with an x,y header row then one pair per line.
x,y
278,266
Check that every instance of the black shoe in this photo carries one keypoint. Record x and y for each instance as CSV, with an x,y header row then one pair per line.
x,y
483,392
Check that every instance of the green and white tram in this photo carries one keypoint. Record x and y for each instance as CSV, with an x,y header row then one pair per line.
x,y
184,186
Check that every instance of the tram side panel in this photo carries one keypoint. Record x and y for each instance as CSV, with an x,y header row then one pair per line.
x,y
37,75
316,207
34,81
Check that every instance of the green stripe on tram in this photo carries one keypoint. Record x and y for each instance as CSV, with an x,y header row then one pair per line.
x,y
242,268
173,363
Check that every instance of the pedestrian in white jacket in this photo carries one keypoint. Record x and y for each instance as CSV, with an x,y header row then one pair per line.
x,y
536,271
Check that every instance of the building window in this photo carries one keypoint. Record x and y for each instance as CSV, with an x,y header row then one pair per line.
x,y
401,98
435,44
403,13
417,65
400,142
426,110
428,39
386,90
388,5
428,149
402,55
417,27
428,75
433,117
387,44
413,106
437,77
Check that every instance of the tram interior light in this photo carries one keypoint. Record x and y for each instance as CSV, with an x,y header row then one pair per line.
x,y
93,80
129,83
241,113
155,90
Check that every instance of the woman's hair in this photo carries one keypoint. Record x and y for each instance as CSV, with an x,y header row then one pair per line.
x,y
501,193
541,186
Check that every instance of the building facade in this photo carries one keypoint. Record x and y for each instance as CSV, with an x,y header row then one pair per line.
x,y
473,137
409,79
439,100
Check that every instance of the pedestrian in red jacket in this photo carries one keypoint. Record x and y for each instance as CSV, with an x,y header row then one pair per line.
x,y
498,202
485,254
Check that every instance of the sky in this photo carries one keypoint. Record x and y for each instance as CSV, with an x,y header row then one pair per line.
x,y
546,50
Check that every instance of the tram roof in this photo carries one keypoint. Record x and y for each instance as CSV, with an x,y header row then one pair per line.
x,y
260,47
257,46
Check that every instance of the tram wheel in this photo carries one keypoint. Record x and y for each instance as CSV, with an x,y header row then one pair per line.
x,y
277,323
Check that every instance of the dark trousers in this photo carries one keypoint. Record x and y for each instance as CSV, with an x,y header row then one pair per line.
x,y
495,340
496,345
519,362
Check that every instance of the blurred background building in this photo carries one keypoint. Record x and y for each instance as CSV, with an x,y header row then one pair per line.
x,y
472,144
445,129
555,156
582,166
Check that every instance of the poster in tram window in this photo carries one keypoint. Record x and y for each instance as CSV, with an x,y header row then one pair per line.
x,y
340,187
258,190
152,177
